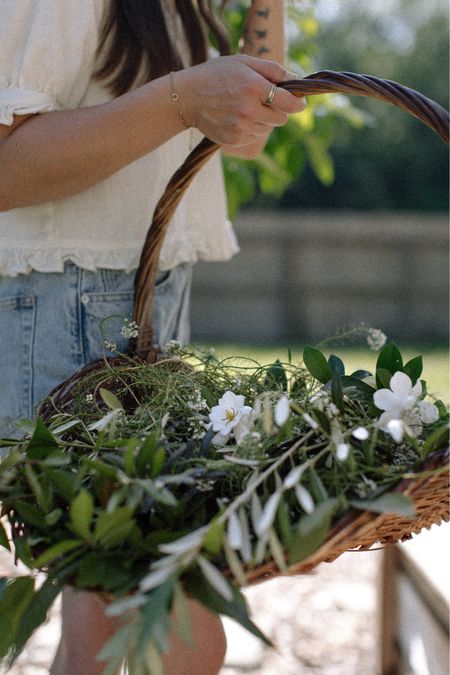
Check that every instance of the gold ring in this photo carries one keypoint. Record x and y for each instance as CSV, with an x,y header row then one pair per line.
x,y
271,94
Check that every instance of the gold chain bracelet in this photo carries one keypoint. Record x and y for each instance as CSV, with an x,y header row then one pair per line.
x,y
176,99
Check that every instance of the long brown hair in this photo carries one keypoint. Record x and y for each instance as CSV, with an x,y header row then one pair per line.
x,y
135,41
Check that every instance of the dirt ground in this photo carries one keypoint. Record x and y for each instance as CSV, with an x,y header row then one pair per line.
x,y
324,623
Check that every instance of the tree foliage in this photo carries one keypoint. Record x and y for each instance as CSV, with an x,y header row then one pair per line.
x,y
353,153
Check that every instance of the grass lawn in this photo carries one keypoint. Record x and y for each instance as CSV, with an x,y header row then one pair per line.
x,y
435,370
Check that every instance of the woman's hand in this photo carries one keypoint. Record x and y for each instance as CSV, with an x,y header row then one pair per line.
x,y
225,98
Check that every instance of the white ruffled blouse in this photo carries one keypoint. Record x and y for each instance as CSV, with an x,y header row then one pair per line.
x,y
47,57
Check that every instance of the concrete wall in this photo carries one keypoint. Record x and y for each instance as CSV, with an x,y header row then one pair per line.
x,y
301,275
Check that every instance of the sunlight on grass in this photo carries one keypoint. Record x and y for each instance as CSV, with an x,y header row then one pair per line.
x,y
435,369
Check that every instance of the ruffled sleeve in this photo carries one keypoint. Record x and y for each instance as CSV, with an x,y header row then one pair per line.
x,y
47,54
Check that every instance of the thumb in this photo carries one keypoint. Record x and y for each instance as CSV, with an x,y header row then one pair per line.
x,y
271,70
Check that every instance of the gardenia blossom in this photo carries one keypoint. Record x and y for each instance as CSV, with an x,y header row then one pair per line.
x,y
401,402
231,416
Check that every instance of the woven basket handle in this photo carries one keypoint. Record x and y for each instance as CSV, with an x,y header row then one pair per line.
x,y
323,82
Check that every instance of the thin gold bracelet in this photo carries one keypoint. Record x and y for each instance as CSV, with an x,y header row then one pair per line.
x,y
176,99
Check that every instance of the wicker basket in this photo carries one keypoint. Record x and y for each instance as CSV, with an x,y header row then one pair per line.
x,y
355,530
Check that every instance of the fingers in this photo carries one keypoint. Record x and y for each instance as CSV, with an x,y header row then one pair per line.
x,y
286,102
271,70
274,72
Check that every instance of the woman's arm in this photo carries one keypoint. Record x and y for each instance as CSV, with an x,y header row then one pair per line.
x,y
264,38
52,155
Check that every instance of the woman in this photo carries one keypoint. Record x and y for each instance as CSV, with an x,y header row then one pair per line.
x,y
100,101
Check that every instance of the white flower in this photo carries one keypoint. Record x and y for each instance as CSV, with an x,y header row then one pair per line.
x,y
282,411
342,450
400,402
396,428
231,416
360,433
110,345
376,339
310,421
89,397
172,347
129,329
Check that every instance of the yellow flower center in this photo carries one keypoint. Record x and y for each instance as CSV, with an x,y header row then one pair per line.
x,y
230,414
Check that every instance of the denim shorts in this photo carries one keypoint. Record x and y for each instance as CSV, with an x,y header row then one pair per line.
x,y
51,324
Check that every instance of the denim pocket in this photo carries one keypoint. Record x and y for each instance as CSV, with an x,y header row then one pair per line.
x,y
104,316
17,325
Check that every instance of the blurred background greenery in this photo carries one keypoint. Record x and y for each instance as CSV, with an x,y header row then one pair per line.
x,y
353,152
343,218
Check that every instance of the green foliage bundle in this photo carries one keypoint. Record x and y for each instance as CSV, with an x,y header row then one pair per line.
x,y
178,479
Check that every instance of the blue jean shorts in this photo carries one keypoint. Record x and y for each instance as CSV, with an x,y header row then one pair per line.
x,y
51,324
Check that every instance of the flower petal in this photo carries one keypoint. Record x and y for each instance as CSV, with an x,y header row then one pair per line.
x,y
360,433
417,389
396,429
401,384
220,439
386,417
428,413
385,399
282,411
231,400
342,451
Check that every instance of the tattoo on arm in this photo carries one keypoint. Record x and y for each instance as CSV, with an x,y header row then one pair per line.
x,y
263,13
259,32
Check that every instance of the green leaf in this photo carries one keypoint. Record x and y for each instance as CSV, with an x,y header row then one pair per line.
x,y
182,624
414,368
57,458
110,399
276,375
361,374
81,514
155,613
4,542
436,440
101,468
116,648
41,493
64,483
159,494
56,551
42,441
311,531
355,387
283,521
337,394
394,502
112,529
148,448
200,589
383,378
53,517
336,364
390,358
317,487
212,541
129,457
35,615
158,460
14,602
317,364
